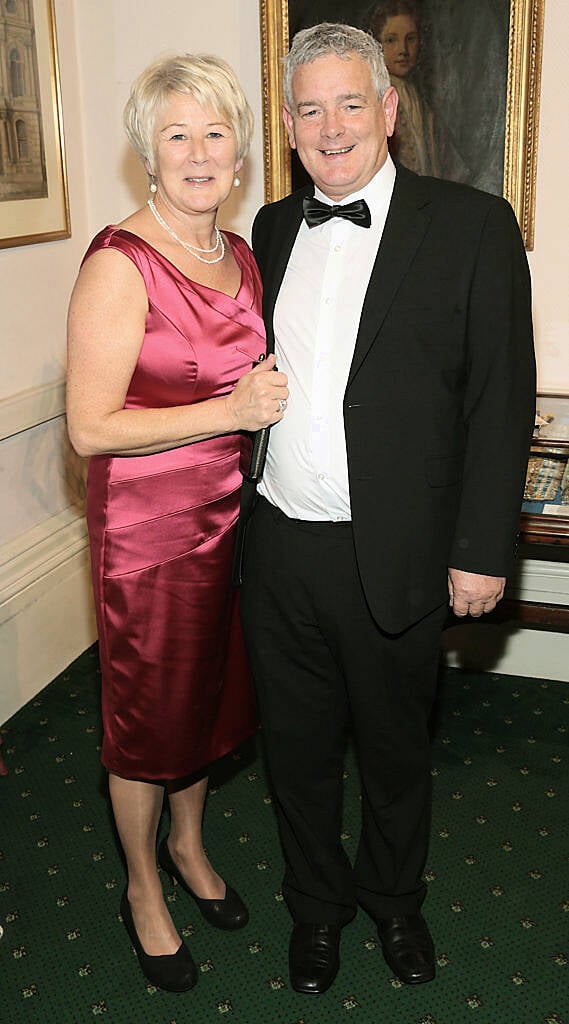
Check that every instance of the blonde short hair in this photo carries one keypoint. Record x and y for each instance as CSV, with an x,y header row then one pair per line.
x,y
205,78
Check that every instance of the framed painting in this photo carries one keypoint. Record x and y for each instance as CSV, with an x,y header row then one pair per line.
x,y
34,204
467,75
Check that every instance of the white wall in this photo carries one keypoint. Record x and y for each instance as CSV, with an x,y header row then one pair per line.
x,y
45,610
549,262
229,28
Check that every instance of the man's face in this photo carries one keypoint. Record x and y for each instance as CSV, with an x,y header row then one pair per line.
x,y
338,125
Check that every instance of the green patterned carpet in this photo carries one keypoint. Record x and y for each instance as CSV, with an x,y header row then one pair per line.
x,y
498,876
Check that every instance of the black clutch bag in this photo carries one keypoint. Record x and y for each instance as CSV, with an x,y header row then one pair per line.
x,y
248,499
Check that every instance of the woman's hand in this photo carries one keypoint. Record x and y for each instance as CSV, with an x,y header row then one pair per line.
x,y
259,398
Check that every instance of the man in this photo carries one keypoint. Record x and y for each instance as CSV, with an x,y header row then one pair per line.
x,y
393,480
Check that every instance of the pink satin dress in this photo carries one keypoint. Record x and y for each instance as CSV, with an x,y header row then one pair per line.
x,y
176,687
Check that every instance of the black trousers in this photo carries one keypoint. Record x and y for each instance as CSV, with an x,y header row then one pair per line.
x,y
322,667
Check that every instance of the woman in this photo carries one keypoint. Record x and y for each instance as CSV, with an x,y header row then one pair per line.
x,y
397,26
165,338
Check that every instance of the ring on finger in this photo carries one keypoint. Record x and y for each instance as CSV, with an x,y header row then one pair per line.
x,y
282,404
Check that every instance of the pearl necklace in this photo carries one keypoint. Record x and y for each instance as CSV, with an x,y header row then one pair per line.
x,y
193,250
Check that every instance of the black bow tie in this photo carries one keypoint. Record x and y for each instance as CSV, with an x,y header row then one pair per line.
x,y
316,212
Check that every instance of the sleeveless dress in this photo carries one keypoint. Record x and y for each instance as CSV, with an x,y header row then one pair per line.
x,y
176,687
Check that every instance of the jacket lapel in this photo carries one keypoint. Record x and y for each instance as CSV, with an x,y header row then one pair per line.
x,y
407,221
284,236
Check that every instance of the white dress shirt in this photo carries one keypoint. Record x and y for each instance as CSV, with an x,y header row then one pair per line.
x,y
316,320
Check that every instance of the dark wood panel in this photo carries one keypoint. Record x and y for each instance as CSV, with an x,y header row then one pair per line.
x,y
552,531
530,613
554,617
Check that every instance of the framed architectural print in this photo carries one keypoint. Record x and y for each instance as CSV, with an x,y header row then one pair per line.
x,y
34,204
467,75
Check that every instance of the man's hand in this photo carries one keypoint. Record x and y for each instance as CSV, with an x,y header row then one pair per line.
x,y
473,594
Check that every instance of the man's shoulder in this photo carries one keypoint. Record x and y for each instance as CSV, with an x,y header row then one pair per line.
x,y
277,220
286,206
449,193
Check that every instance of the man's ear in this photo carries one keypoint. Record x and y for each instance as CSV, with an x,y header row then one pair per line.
x,y
389,102
289,125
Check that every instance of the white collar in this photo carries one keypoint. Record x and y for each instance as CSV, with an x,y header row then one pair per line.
x,y
375,192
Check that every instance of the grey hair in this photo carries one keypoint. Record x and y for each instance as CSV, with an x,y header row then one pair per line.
x,y
207,79
344,41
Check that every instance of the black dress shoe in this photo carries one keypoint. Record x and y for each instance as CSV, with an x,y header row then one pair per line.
x,y
174,973
314,956
408,948
229,913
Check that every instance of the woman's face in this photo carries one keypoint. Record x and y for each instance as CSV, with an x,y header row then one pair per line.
x,y
400,41
195,155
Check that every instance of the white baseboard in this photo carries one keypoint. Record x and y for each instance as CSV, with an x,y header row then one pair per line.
x,y
46,609
508,650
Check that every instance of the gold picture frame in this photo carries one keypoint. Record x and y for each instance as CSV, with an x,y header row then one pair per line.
x,y
522,106
34,201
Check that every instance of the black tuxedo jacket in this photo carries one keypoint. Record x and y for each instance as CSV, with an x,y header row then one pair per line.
x,y
440,402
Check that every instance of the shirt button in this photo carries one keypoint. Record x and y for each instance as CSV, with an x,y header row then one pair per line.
x,y
337,248
327,301
321,476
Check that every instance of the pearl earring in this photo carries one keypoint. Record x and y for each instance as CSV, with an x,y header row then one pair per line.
x,y
237,181
153,186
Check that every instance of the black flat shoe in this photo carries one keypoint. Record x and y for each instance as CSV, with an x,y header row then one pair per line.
x,y
408,948
174,973
229,913
314,957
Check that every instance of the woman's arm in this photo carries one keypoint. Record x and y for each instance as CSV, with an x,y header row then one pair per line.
x,y
106,325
